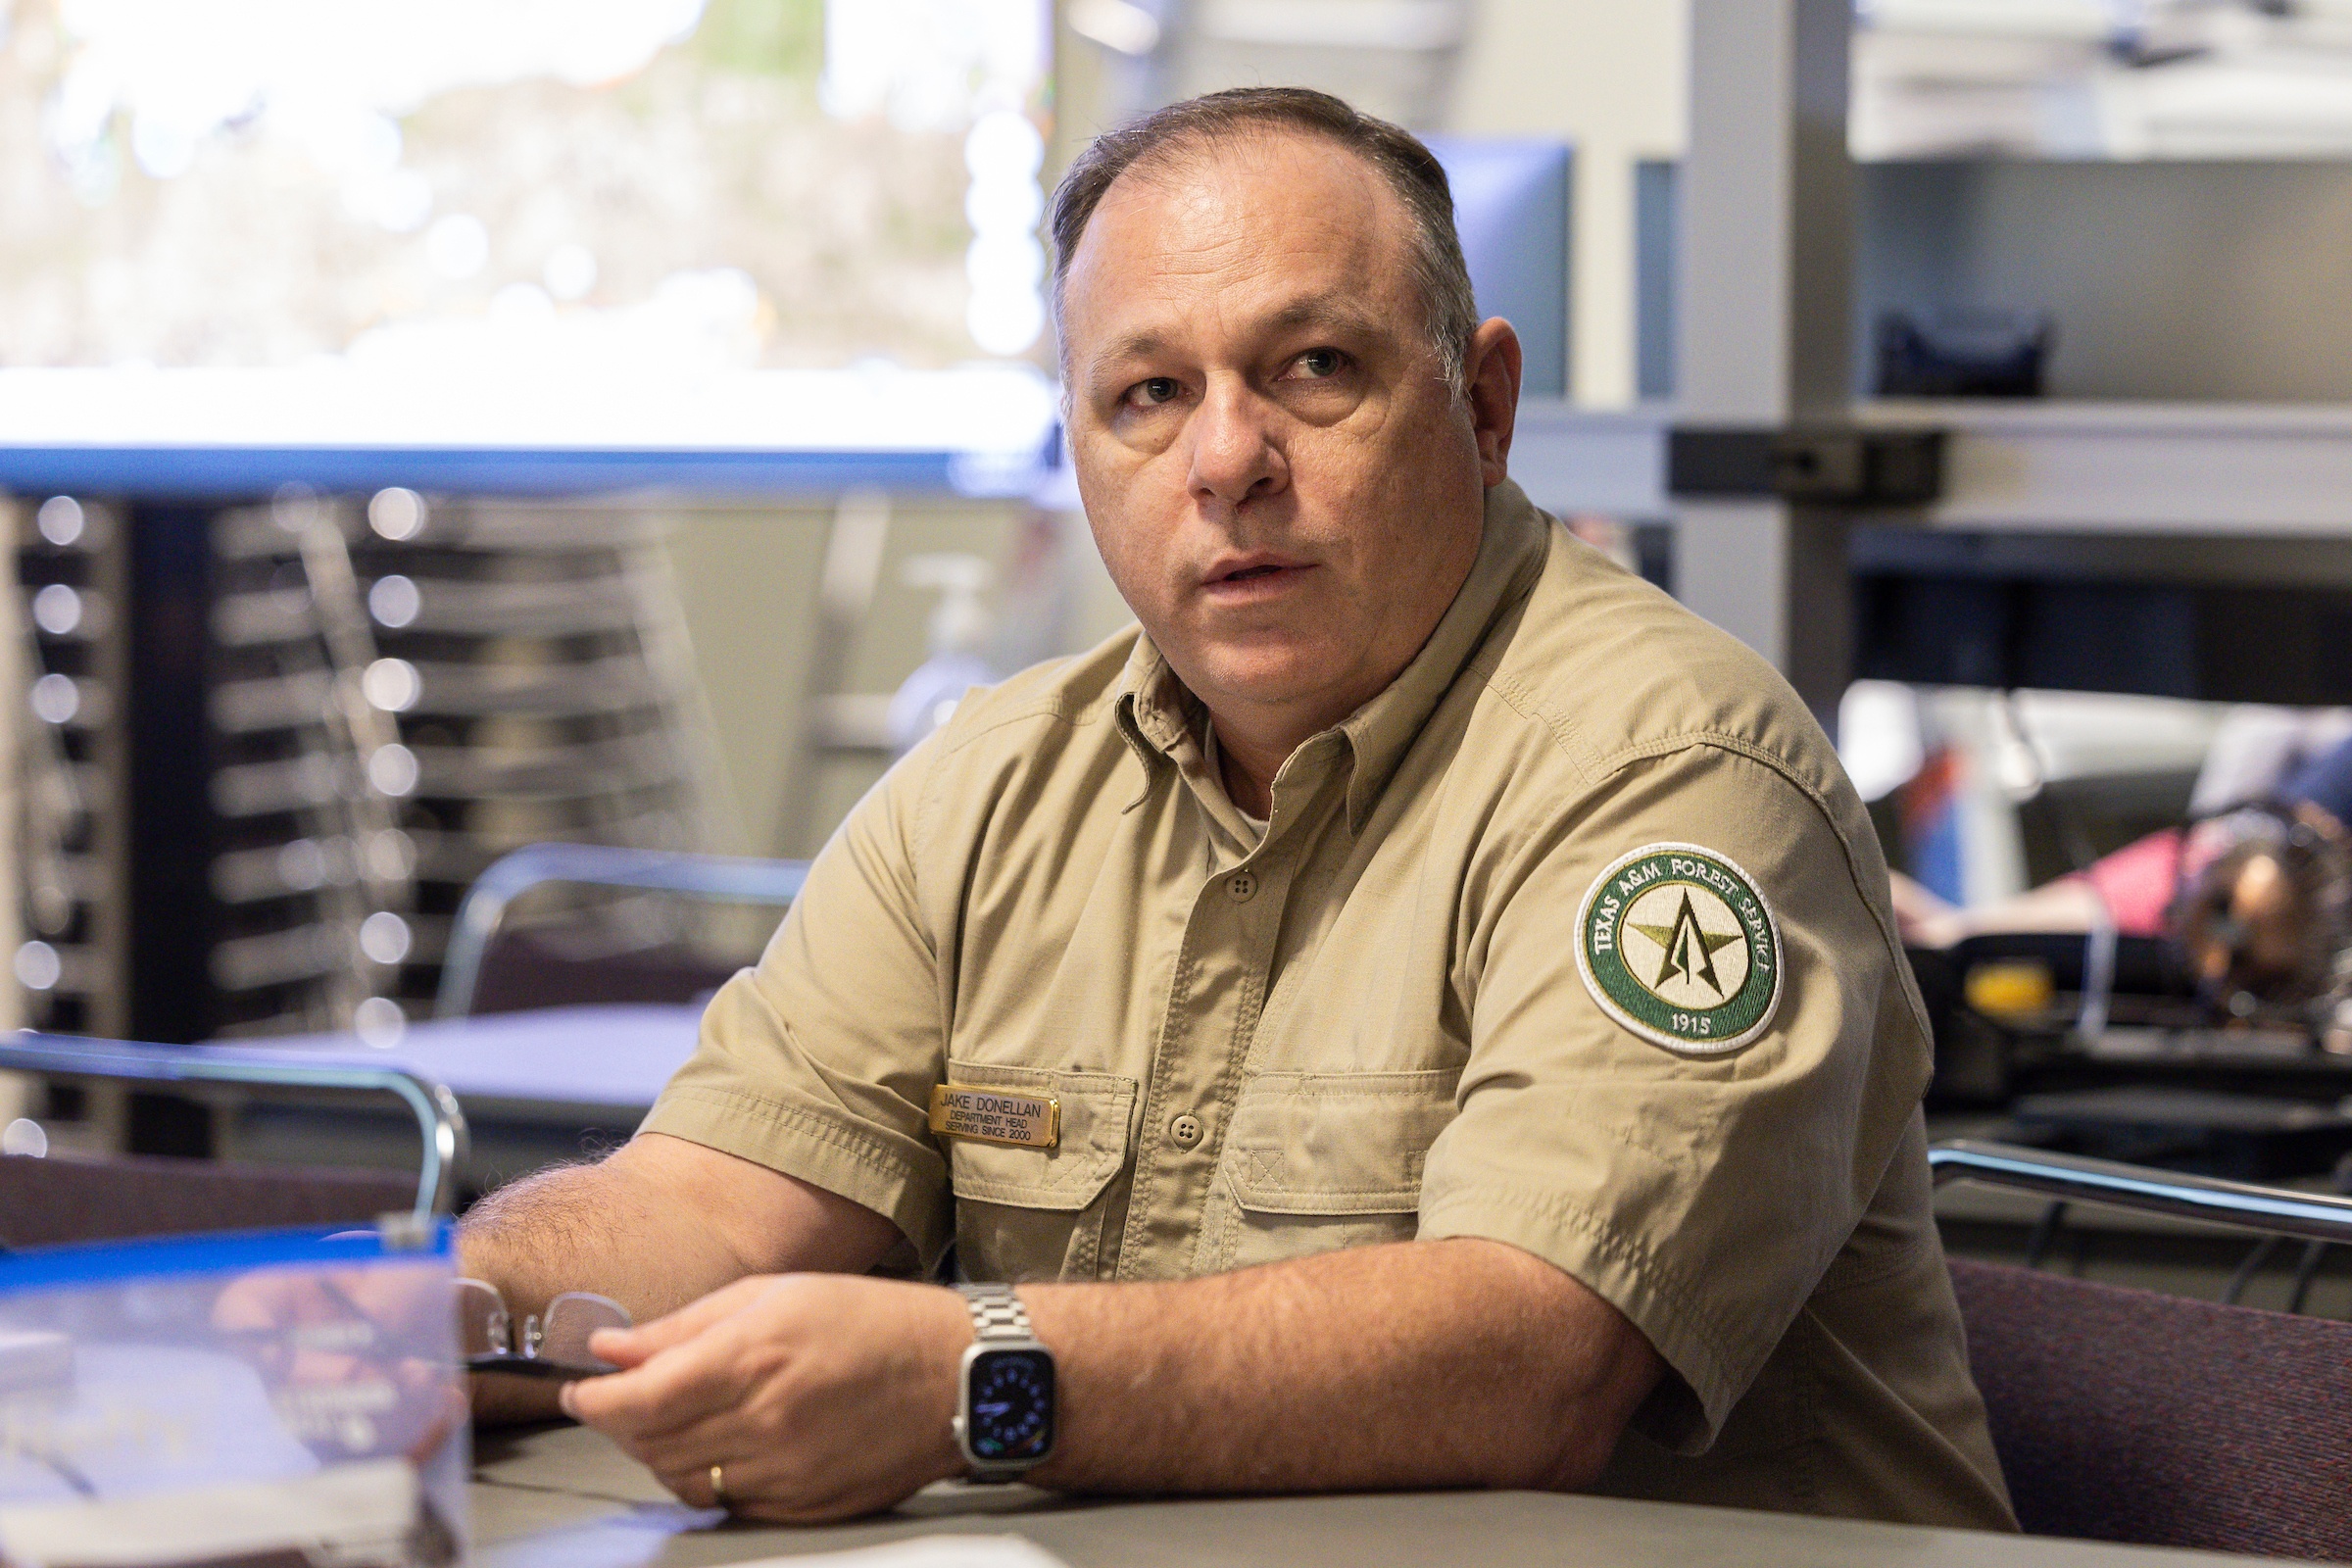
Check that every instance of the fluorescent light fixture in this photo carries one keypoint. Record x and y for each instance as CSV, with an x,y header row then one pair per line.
x,y
1115,25
1409,25
2076,20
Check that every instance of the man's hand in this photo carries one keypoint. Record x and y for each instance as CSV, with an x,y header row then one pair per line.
x,y
823,1395
656,1225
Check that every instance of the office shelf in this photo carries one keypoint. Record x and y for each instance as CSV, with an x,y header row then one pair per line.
x,y
2208,469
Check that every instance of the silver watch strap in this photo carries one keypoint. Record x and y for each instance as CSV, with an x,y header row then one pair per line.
x,y
997,1313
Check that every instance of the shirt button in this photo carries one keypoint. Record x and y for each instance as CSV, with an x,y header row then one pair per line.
x,y
1184,1130
1242,886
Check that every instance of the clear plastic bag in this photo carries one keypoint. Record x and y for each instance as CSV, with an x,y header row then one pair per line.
x,y
282,1397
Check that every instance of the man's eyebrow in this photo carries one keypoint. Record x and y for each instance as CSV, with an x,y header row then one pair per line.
x,y
1326,310
1333,311
1134,346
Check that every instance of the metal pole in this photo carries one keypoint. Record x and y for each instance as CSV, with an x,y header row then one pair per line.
x,y
1763,308
2313,1216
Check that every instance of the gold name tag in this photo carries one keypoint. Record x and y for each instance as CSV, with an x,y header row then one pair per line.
x,y
996,1115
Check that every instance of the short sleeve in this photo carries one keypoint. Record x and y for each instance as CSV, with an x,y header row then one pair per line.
x,y
1702,1190
819,1062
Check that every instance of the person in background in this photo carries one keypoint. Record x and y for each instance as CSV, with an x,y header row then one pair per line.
x,y
2248,888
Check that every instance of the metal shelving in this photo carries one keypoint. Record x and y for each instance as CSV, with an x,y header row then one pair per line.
x,y
2214,471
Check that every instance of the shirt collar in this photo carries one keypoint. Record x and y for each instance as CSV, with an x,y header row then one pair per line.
x,y
1153,707
1156,712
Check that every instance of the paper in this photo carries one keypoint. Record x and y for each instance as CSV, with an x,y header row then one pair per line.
x,y
929,1551
38,1359
358,1515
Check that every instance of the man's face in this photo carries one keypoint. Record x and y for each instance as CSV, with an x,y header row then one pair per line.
x,y
1281,483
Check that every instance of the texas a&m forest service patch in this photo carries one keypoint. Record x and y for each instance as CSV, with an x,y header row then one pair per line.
x,y
1677,944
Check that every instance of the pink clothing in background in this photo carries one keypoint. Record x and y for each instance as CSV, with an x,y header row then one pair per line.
x,y
2138,882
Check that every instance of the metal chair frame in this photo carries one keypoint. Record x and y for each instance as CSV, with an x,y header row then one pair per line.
x,y
721,878
438,1118
2071,1178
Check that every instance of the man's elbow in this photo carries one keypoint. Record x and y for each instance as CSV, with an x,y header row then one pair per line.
x,y
1586,1412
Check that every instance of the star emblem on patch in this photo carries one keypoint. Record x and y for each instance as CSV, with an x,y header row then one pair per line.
x,y
1688,949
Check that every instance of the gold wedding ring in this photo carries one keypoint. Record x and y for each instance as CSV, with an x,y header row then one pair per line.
x,y
718,1488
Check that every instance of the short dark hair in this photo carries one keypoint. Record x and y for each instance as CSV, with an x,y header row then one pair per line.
x,y
1411,169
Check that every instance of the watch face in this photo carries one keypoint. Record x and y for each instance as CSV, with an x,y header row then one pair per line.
x,y
1011,1406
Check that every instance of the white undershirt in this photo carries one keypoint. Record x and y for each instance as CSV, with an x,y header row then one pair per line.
x,y
1208,756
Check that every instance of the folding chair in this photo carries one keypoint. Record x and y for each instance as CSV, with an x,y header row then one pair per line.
x,y
490,968
44,1201
2133,1416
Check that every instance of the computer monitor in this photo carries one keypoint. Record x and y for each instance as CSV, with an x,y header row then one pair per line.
x,y
1511,206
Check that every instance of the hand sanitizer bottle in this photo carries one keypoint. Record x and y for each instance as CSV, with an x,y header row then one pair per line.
x,y
959,628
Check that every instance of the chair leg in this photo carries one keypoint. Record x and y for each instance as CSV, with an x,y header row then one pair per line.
x,y
2257,1258
2045,1231
2313,1253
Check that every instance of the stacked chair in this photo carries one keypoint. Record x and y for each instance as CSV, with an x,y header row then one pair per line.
x,y
71,915
399,692
312,866
554,698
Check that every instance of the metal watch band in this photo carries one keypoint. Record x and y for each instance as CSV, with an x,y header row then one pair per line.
x,y
997,1313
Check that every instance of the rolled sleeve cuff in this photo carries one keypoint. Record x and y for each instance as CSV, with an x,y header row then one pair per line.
x,y
827,1150
1608,1262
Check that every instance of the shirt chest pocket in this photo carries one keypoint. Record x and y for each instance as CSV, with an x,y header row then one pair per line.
x,y
1025,1213
1318,1161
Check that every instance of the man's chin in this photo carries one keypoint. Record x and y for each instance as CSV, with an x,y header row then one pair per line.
x,y
1266,677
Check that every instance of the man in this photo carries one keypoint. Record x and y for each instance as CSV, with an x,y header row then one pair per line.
x,y
1421,1012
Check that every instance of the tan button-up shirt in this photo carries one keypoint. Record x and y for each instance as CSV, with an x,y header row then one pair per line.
x,y
1575,938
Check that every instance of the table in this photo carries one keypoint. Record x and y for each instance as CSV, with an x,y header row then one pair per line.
x,y
546,1062
550,1084
564,1497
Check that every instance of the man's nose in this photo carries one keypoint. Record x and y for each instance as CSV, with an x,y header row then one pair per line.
x,y
1235,455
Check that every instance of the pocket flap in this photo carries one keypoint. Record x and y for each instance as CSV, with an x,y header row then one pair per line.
x,y
1335,1143
1095,1108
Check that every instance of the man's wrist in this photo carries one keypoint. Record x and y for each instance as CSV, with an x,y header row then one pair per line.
x,y
943,1371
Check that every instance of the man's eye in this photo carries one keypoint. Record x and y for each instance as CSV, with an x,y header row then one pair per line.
x,y
1156,389
1317,364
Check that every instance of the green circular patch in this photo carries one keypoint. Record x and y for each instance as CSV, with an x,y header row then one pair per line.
x,y
1676,944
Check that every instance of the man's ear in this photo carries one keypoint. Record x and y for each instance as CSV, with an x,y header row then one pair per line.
x,y
1492,369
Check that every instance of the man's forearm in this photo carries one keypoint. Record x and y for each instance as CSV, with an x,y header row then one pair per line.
x,y
656,1225
1429,1363
660,1223
606,1228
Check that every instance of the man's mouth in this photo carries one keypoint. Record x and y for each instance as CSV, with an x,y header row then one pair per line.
x,y
1253,575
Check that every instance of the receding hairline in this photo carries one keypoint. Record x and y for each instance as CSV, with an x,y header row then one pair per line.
x,y
1166,161
1183,133
1196,144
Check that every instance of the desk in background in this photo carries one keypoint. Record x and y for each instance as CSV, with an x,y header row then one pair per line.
x,y
551,1084
564,1497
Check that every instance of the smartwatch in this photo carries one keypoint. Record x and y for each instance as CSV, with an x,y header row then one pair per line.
x,y
1004,1408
